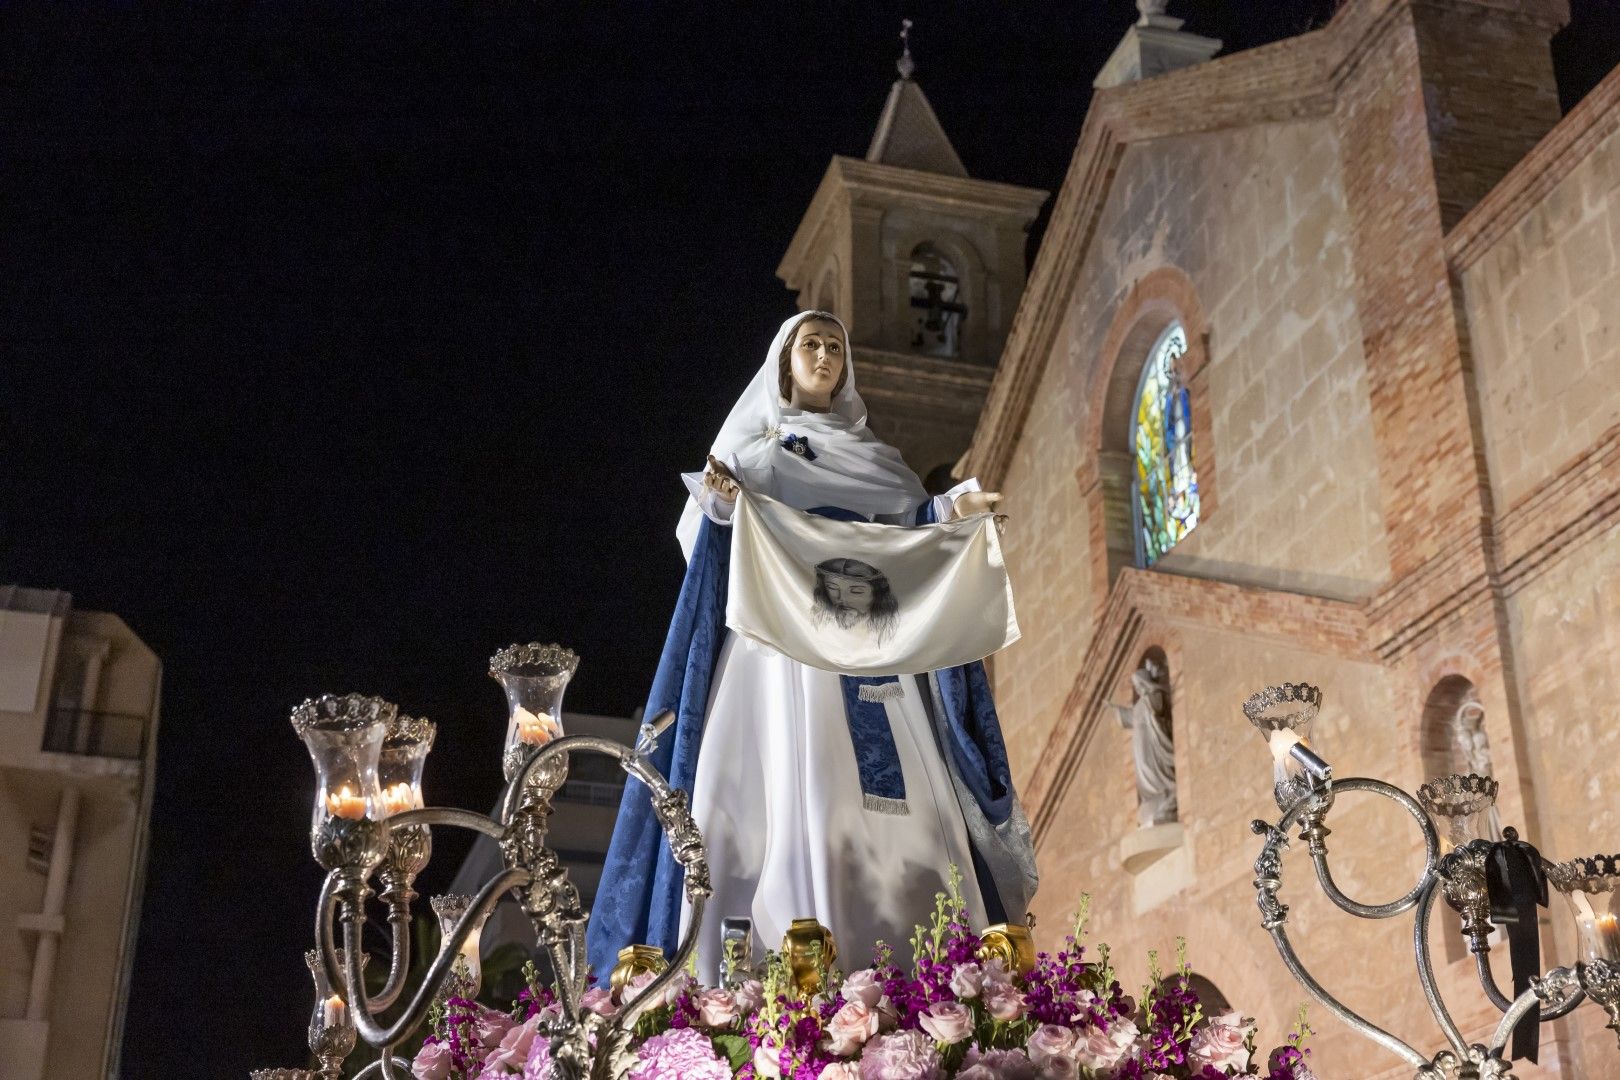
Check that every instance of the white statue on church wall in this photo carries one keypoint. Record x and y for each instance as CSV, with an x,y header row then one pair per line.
x,y
1153,748
1473,749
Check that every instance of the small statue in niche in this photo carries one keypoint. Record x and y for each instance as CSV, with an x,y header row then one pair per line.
x,y
1153,747
1473,749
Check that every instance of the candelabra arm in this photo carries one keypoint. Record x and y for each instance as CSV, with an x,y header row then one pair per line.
x,y
1425,966
1510,1019
453,816
1487,980
1431,841
364,1021
1355,1021
399,959
626,1019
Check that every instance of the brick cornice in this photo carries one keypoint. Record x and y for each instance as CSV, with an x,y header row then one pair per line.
x,y
1139,602
1527,185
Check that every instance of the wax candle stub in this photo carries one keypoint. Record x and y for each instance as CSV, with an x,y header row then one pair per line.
x,y
400,797
1608,936
1282,741
333,1012
345,802
536,729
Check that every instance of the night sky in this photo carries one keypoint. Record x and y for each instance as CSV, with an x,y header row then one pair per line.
x,y
345,343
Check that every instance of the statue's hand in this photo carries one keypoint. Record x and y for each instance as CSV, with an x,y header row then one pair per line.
x,y
976,502
718,479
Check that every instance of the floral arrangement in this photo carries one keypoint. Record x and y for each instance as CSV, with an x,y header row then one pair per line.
x,y
951,1014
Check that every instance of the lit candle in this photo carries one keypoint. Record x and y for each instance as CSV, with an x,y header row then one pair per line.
x,y
332,1012
536,729
1608,937
400,797
346,803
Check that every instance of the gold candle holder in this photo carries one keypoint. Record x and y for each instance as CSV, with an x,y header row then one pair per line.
x,y
810,951
635,960
1011,943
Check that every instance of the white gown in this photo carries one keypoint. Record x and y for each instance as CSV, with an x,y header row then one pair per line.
x,y
778,799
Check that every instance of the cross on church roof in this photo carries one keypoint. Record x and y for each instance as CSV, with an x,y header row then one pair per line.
x,y
908,134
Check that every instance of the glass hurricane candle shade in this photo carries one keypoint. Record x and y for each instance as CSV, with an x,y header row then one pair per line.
x,y
399,766
282,1074
469,973
534,677
344,735
1458,804
331,1026
1590,886
1284,715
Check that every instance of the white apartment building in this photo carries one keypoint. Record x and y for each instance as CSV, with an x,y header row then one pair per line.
x,y
78,738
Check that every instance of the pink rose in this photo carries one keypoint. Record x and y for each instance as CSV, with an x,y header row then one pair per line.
x,y
1002,1000
1052,1041
949,1022
1099,1050
840,1070
598,1001
750,996
1223,1042
904,1055
513,1052
490,1027
1061,1068
715,1008
850,1027
671,993
766,1063
863,986
432,1061
967,980
995,971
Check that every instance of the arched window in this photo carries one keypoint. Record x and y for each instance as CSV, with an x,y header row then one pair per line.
x,y
1165,507
937,310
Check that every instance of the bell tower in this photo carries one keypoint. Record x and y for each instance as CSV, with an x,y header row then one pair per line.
x,y
925,265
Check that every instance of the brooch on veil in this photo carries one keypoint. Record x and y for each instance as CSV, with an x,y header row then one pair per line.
x,y
800,445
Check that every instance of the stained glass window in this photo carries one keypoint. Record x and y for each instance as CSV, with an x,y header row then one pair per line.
x,y
1166,503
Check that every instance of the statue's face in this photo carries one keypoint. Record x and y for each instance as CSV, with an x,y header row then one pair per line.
x,y
818,358
849,593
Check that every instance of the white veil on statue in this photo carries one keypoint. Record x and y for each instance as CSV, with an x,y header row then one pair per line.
x,y
847,466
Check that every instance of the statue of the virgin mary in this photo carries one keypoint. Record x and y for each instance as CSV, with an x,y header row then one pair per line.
x,y
819,795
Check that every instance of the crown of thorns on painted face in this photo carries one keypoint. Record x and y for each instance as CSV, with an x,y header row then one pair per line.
x,y
814,364
848,589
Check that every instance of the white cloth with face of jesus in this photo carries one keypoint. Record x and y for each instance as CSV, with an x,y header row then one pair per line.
x,y
867,599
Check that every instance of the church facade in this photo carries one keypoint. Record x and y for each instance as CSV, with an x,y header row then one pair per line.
x,y
1316,378
1386,268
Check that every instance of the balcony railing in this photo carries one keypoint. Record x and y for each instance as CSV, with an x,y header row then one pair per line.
x,y
95,734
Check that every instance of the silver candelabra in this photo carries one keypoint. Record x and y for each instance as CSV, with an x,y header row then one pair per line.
x,y
370,822
1478,877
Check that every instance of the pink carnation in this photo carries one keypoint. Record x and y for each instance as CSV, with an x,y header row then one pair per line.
x,y
679,1054
904,1055
538,1067
996,1065
1222,1043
